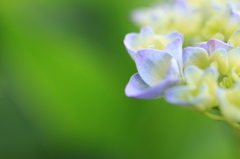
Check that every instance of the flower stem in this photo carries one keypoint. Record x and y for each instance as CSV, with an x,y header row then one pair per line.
x,y
214,117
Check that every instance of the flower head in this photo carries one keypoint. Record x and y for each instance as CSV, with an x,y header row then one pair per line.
x,y
203,75
168,17
197,20
157,71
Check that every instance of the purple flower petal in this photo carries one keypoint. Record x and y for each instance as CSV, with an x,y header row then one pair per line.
x,y
137,88
130,41
146,32
174,48
173,35
234,12
173,71
203,45
152,65
181,5
179,95
213,45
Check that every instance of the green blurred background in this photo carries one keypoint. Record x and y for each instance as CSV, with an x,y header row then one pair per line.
x,y
63,70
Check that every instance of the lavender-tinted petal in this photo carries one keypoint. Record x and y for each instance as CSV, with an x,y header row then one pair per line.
x,y
181,5
174,48
173,35
203,45
146,32
214,44
152,65
129,42
234,13
137,88
173,70
178,95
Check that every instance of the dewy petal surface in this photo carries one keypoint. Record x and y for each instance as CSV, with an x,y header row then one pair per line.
x,y
152,65
137,88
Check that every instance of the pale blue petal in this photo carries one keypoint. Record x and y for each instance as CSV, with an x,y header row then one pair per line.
x,y
137,88
214,44
179,95
173,70
152,65
130,41
173,35
234,13
174,48
203,45
146,33
181,5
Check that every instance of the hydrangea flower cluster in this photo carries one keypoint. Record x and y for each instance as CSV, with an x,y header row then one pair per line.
x,y
197,20
202,77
